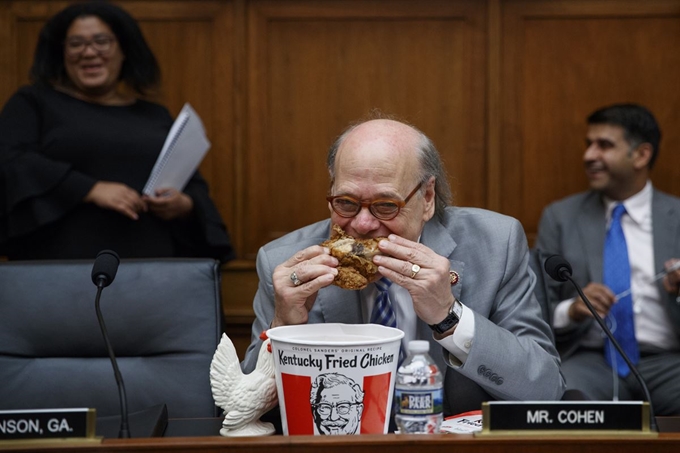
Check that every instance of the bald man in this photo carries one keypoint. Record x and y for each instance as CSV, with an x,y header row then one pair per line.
x,y
484,324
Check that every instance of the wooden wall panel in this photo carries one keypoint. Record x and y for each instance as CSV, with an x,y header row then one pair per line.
x,y
20,23
194,44
317,66
564,59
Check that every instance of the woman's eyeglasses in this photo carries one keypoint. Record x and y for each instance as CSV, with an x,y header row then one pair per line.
x,y
102,44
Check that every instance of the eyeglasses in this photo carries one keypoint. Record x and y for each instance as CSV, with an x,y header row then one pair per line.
x,y
324,409
383,209
102,44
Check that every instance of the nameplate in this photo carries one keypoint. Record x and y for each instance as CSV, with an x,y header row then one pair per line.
x,y
565,416
47,423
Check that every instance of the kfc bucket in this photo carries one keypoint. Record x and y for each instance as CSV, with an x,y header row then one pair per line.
x,y
335,378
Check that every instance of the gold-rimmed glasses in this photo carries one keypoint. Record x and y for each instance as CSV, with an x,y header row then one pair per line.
x,y
383,208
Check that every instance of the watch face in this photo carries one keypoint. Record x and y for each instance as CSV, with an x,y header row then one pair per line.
x,y
457,309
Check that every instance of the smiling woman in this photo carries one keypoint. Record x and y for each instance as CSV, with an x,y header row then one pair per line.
x,y
93,59
77,147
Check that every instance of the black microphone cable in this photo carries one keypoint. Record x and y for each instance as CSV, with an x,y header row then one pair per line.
x,y
103,273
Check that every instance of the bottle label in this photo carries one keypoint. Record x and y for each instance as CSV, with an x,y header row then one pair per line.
x,y
419,402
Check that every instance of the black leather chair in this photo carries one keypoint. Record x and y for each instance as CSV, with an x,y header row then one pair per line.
x,y
163,316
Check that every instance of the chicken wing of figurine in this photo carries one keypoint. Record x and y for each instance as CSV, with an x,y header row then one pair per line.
x,y
244,398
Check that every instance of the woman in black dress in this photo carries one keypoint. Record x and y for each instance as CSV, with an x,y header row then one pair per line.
x,y
77,146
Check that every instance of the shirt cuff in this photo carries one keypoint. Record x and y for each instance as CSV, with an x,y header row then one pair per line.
x,y
561,317
457,346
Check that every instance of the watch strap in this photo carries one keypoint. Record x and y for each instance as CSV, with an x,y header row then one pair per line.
x,y
451,320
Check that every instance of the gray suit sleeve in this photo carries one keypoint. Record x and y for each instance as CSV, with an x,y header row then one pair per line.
x,y
513,356
263,305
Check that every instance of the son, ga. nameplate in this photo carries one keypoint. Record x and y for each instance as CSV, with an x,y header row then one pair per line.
x,y
48,423
550,417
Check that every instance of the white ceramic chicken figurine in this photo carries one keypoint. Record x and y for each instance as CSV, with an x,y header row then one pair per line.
x,y
244,398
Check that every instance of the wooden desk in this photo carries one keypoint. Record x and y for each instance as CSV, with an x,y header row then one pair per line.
x,y
668,441
392,443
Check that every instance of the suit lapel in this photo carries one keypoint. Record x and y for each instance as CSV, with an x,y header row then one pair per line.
x,y
666,228
438,238
591,226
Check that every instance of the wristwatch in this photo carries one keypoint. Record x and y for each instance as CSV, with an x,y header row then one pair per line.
x,y
451,320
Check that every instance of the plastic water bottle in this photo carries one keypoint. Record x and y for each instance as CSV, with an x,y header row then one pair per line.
x,y
418,392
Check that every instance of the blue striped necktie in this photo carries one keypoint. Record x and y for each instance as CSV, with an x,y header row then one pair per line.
x,y
383,313
616,276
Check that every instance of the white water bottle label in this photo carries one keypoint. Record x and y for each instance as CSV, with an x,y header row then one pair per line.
x,y
419,402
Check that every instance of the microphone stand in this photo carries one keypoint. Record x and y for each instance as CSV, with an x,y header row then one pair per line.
x,y
566,275
122,396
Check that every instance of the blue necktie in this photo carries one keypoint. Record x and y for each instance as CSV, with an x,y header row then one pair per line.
x,y
383,313
616,275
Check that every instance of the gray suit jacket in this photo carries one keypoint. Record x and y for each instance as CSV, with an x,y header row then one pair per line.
x,y
575,228
489,252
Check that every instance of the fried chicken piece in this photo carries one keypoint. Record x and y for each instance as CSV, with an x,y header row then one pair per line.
x,y
356,268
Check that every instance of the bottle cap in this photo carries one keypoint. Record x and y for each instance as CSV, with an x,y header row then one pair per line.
x,y
418,346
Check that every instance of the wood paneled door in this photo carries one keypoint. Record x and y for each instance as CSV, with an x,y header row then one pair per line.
x,y
561,60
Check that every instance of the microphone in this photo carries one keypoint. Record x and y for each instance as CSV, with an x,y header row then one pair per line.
x,y
559,269
105,268
103,272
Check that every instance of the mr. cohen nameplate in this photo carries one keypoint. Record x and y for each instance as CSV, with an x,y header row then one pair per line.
x,y
564,417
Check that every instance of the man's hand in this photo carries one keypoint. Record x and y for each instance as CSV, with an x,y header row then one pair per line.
x,y
671,281
169,204
600,296
314,268
430,287
116,197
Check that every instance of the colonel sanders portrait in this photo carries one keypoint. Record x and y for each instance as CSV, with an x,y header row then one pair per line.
x,y
337,404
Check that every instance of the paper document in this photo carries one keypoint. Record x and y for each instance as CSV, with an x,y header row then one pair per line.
x,y
182,152
465,423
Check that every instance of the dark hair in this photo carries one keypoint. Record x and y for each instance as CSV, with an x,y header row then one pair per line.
x,y
140,69
638,123
429,158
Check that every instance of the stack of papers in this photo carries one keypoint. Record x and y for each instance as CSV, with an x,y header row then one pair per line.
x,y
183,150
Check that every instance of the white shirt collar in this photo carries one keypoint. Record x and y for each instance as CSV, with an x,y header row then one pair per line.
x,y
638,207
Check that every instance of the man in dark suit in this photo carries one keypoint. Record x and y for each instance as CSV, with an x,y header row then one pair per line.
x,y
461,278
622,145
